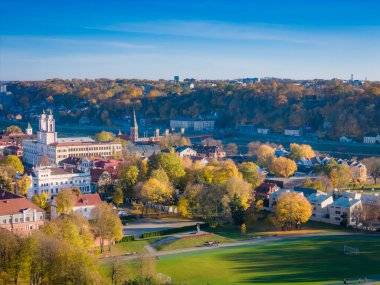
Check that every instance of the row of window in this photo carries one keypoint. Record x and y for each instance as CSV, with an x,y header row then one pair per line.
x,y
21,220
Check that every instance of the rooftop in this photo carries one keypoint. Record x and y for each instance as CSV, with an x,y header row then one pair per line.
x,y
345,202
11,204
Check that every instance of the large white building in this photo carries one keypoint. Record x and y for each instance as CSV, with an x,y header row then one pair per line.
x,y
57,149
51,180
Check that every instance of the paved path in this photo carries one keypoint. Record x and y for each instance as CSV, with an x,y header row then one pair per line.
x,y
143,226
152,252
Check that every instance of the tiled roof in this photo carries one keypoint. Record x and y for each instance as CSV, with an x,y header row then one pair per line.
x,y
16,205
85,200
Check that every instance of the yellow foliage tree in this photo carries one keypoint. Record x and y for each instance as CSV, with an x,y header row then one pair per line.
x,y
283,167
23,184
265,155
292,209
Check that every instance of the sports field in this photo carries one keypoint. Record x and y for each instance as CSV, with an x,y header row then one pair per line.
x,y
313,260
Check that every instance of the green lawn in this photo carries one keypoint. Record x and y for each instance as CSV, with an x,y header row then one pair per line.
x,y
314,260
190,242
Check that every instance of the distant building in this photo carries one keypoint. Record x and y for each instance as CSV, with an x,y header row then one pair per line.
x,y
176,78
84,205
320,202
247,129
293,132
204,151
346,139
6,97
262,130
19,215
186,151
143,150
193,124
371,138
13,150
57,149
265,190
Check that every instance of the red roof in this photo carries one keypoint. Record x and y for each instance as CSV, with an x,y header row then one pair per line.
x,y
87,200
16,205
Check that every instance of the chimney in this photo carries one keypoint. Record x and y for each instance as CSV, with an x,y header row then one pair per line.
x,y
182,131
157,133
166,132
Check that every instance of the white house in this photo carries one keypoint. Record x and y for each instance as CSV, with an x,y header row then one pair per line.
x,y
342,211
292,132
186,151
51,180
320,202
346,139
263,130
84,205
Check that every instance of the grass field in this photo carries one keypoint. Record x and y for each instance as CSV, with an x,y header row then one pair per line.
x,y
316,260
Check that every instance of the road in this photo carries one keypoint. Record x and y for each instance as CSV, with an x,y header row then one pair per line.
x,y
143,226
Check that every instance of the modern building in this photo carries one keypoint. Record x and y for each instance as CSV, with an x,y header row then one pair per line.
x,y
371,138
342,211
84,205
57,149
19,215
320,202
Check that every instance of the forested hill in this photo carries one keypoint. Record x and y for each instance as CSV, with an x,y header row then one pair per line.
x,y
345,108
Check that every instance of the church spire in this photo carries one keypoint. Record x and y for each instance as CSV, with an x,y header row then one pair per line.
x,y
134,118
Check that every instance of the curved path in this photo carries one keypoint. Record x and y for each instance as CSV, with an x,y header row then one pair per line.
x,y
152,252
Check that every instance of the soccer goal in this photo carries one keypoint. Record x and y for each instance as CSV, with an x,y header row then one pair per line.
x,y
350,250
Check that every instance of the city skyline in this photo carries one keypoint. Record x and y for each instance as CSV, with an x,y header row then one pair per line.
x,y
204,39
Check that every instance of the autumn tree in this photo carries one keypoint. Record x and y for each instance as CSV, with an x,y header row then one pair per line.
x,y
13,129
283,167
301,151
237,210
104,136
171,163
339,174
107,225
292,209
156,191
23,184
41,200
65,201
128,180
237,186
265,155
373,167
232,149
118,197
14,162
218,172
251,173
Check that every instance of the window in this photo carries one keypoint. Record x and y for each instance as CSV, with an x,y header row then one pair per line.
x,y
27,219
337,212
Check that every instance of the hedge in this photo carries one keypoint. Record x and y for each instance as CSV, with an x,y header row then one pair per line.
x,y
173,231
126,239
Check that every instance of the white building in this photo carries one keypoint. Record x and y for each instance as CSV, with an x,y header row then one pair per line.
x,y
51,180
194,124
84,205
320,202
371,138
342,211
186,151
292,132
57,149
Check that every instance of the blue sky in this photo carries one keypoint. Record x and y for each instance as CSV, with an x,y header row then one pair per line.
x,y
206,39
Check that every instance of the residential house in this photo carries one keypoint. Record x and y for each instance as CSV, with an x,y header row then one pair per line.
x,y
343,211
262,130
215,152
346,139
13,150
265,189
19,215
320,202
185,151
192,124
84,205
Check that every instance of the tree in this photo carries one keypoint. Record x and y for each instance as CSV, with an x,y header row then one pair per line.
x,y
218,172
183,205
339,174
171,163
243,229
283,167
265,155
13,161
128,179
251,173
23,184
107,225
13,129
65,201
41,200
5,184
236,185
301,151
118,197
211,142
156,191
232,148
237,210
292,209
321,183
104,136
373,167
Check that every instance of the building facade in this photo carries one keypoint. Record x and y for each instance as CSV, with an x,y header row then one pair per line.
x,y
19,215
57,149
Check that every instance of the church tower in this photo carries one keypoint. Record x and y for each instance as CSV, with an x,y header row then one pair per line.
x,y
29,130
134,130
47,134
